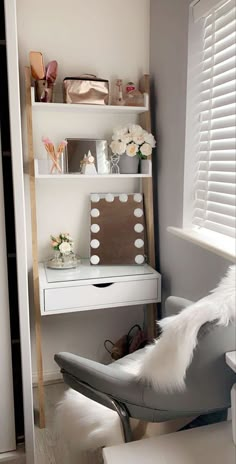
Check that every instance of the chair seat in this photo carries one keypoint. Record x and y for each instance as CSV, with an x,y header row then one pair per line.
x,y
208,378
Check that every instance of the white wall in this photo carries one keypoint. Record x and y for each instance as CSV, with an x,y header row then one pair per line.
x,y
110,39
187,269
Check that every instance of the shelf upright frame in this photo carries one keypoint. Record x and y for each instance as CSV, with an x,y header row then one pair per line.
x,y
38,337
147,189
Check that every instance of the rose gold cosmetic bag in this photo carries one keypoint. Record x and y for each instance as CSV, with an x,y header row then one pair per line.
x,y
86,89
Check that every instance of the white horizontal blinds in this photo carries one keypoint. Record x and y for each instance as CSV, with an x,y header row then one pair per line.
x,y
215,184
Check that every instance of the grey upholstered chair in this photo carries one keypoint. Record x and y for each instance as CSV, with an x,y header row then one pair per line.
x,y
208,380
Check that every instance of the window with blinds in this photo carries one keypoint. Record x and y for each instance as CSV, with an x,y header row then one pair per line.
x,y
215,180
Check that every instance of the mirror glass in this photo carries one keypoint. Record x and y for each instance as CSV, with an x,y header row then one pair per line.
x,y
77,148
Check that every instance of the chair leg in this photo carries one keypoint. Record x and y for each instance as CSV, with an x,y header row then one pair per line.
x,y
125,420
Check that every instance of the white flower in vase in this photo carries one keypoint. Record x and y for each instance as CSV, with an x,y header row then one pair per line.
x,y
126,139
131,149
67,237
135,130
65,248
138,139
118,147
64,257
148,138
134,144
146,149
119,132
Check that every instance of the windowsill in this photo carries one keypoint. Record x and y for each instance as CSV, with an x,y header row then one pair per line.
x,y
211,241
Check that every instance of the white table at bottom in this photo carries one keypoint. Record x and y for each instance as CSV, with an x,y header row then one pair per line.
x,y
202,445
231,361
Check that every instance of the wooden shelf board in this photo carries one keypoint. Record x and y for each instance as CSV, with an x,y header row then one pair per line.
x,y
83,176
39,175
81,108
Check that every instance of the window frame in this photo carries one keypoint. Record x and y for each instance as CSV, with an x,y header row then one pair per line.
x,y
212,241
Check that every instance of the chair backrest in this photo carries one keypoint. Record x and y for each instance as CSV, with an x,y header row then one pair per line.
x,y
208,375
208,379
175,304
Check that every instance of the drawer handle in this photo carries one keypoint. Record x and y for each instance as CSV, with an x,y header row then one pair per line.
x,y
103,285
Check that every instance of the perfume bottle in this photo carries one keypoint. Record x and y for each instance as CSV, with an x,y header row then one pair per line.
x,y
119,99
133,97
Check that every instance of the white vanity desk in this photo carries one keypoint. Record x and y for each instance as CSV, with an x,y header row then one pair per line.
x,y
92,287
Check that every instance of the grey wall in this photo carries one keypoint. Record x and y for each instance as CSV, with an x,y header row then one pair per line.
x,y
187,269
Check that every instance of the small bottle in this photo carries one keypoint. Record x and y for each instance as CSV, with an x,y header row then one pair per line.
x,y
119,99
133,97
129,87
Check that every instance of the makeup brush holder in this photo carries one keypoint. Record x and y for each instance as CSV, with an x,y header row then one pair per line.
x,y
59,167
46,166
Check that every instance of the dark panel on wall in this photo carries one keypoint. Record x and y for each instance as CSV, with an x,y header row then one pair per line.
x,y
2,22
5,131
10,232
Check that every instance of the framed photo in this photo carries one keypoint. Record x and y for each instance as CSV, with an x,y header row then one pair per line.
x,y
77,148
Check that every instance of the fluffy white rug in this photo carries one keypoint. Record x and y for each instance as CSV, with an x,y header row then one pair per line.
x,y
166,362
84,425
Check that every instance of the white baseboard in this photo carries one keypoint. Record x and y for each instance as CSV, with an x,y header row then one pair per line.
x,y
13,457
48,377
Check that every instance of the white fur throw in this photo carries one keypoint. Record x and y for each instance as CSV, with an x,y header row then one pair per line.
x,y
165,363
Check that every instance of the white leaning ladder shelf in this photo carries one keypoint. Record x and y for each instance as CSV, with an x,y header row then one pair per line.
x,y
147,189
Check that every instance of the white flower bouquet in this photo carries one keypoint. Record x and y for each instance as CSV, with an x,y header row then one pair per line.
x,y
132,140
64,257
63,243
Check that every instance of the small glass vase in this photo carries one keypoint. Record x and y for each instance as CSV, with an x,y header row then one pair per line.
x,y
63,261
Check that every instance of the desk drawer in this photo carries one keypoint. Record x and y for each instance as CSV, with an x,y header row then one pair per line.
x,y
100,295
